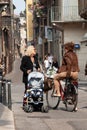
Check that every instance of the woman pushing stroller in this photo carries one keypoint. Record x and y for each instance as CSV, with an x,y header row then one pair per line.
x,y
32,81
29,63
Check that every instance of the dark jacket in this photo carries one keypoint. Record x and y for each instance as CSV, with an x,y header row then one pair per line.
x,y
55,64
69,63
26,64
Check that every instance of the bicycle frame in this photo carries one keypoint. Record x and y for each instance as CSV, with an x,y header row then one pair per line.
x,y
67,81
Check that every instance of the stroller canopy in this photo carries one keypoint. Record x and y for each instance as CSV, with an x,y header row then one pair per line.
x,y
35,79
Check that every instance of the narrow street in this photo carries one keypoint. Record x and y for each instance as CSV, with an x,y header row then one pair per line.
x,y
58,119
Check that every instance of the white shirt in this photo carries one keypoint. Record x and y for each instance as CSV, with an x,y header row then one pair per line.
x,y
46,63
50,59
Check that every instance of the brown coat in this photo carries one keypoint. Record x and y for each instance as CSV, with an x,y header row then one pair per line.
x,y
69,63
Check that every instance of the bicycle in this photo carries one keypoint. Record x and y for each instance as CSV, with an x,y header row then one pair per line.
x,y
69,95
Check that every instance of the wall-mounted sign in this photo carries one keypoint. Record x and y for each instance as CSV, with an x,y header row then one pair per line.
x,y
39,40
48,33
77,46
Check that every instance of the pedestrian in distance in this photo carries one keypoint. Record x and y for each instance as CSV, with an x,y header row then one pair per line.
x,y
29,63
46,63
50,59
55,63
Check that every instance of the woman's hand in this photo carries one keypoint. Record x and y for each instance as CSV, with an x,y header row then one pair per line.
x,y
39,69
28,71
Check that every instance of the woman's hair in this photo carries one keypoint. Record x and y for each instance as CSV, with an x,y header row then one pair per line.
x,y
29,50
69,46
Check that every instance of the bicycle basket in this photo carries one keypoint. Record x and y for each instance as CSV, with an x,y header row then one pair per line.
x,y
47,84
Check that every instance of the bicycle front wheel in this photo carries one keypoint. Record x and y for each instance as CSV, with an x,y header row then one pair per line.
x,y
52,101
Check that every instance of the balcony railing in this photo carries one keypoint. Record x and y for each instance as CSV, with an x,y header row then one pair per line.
x,y
83,8
65,14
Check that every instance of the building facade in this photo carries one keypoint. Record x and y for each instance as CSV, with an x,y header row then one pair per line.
x,y
23,34
29,19
6,34
49,38
17,40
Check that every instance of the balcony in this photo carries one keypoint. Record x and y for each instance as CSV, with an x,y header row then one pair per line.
x,y
83,14
65,14
83,8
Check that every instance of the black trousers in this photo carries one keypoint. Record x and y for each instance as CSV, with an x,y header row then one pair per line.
x,y
25,87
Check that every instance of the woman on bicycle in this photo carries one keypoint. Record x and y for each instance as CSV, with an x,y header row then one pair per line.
x,y
69,67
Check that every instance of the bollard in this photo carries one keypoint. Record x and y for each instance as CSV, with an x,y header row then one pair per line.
x,y
9,95
4,92
1,89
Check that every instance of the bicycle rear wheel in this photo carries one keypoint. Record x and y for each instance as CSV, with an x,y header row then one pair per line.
x,y
52,101
71,98
71,104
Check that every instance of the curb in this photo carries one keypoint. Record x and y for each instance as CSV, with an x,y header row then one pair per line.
x,y
6,118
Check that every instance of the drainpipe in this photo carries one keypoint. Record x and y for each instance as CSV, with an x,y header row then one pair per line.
x,y
56,26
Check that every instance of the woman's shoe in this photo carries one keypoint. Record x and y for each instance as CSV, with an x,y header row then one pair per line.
x,y
76,109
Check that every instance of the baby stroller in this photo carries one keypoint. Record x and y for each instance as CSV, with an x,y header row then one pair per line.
x,y
33,99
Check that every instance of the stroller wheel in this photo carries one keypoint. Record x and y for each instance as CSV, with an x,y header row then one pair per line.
x,y
25,108
44,109
30,108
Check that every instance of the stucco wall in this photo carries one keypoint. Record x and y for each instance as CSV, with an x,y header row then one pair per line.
x,y
29,18
82,58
